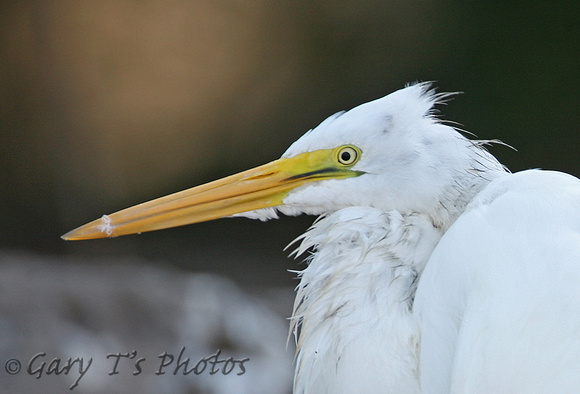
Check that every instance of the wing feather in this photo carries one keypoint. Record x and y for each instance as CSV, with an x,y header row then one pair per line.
x,y
499,300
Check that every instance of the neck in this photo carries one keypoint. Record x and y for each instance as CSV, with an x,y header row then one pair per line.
x,y
353,311
464,184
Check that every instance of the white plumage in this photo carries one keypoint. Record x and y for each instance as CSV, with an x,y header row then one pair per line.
x,y
433,270
499,300
354,302
498,307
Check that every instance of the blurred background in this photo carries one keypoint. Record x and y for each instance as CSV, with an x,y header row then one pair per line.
x,y
107,104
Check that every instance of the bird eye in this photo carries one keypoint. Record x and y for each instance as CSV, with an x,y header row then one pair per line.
x,y
347,155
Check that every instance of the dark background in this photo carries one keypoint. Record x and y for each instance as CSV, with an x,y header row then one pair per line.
x,y
107,104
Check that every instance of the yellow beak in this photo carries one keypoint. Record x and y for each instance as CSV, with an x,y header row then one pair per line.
x,y
260,187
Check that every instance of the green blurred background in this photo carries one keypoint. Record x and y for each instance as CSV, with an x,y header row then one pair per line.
x,y
107,104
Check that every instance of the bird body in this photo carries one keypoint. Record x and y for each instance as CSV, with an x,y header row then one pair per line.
x,y
353,307
433,268
499,300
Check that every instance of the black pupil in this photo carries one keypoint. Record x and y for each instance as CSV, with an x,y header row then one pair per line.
x,y
345,156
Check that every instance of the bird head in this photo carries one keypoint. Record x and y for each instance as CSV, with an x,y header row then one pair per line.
x,y
391,153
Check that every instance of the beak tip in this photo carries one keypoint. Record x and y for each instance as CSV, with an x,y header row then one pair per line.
x,y
71,236
100,228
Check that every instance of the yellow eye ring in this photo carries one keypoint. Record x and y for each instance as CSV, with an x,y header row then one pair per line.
x,y
347,155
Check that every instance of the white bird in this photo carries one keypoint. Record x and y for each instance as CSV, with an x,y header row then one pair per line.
x,y
433,268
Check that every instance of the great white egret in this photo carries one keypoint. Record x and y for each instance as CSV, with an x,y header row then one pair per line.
x,y
434,268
